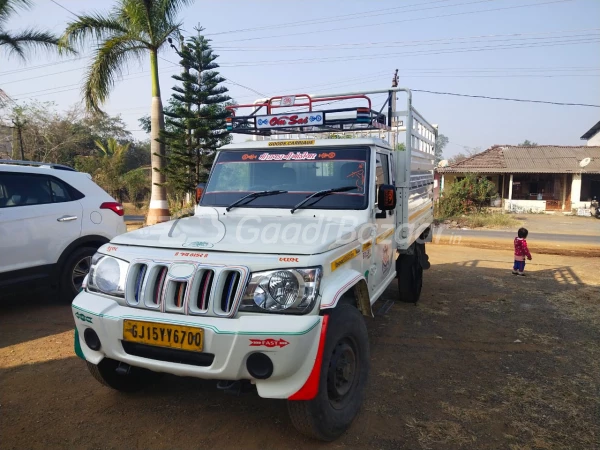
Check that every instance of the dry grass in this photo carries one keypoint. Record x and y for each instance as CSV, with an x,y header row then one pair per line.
x,y
488,221
441,433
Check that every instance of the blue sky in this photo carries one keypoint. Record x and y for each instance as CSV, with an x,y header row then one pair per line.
x,y
531,49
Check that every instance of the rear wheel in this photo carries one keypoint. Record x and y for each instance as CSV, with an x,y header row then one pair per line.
x,y
76,267
344,373
106,373
410,274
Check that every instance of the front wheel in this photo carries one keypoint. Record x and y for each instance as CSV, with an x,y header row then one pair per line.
x,y
344,373
76,267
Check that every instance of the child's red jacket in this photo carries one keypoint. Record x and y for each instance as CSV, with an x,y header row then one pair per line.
x,y
521,250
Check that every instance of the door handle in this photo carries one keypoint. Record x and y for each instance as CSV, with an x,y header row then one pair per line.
x,y
66,218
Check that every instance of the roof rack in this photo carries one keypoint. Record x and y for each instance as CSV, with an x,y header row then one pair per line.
x,y
320,120
17,162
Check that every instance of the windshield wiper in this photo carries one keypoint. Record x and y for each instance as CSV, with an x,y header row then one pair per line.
x,y
252,196
321,194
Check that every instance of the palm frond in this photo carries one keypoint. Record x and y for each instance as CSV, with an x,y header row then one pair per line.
x,y
94,26
31,40
108,64
10,7
14,47
169,8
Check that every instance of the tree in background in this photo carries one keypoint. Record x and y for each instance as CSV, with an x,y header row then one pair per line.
x,y
111,168
133,29
195,125
20,42
468,152
527,143
469,195
440,142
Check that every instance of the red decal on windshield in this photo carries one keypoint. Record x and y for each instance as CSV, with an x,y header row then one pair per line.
x,y
287,156
329,155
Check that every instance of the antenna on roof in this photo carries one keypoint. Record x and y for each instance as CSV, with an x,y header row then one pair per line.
x,y
584,162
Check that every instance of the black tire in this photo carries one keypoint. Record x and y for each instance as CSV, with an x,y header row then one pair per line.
x,y
106,373
79,261
410,276
344,373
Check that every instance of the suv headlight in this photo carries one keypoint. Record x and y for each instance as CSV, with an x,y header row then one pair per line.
x,y
107,275
291,291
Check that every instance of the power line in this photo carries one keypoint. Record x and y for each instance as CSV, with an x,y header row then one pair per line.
x,y
506,99
66,9
228,79
342,17
400,21
415,53
393,44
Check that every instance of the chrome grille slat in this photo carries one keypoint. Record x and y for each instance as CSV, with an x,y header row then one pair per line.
x,y
210,290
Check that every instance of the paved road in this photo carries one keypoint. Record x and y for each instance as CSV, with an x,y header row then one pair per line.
x,y
493,234
133,218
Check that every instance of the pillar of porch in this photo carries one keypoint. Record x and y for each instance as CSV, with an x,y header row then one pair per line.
x,y
564,191
510,184
576,189
442,184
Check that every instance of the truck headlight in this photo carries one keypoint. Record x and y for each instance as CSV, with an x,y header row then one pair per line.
x,y
291,291
107,275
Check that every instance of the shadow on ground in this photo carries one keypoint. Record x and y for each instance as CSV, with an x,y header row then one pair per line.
x,y
486,360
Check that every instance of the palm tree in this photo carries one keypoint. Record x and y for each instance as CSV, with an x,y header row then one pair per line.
x,y
131,30
17,43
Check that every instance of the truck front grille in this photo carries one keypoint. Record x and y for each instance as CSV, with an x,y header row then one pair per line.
x,y
204,290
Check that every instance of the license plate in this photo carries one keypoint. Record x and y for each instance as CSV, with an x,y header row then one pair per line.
x,y
163,335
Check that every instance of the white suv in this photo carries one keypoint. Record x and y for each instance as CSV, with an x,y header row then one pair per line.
x,y
52,220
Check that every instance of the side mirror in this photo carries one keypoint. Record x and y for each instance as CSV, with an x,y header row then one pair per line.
x,y
386,198
199,191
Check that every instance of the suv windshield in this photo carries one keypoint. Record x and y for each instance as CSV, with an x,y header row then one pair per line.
x,y
299,172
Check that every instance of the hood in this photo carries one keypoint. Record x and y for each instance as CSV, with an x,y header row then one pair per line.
x,y
248,233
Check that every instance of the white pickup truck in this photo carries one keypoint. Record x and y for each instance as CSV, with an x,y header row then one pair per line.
x,y
291,244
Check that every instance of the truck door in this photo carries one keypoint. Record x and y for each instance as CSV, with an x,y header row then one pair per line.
x,y
382,268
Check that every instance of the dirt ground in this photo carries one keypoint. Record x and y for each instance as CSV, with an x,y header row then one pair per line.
x,y
486,360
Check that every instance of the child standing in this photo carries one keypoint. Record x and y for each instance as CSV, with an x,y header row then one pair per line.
x,y
521,251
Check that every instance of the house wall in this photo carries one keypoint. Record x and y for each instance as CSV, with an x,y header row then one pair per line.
x,y
594,140
525,206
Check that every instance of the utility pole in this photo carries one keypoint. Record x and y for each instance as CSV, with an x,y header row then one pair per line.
x,y
19,127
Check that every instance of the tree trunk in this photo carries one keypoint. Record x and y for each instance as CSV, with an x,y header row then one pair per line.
x,y
159,206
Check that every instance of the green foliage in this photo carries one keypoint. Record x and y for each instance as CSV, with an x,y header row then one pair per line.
x,y
440,144
195,125
469,195
401,146
136,182
132,30
22,41
60,137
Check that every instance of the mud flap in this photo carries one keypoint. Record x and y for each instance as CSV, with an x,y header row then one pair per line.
x,y
78,350
423,257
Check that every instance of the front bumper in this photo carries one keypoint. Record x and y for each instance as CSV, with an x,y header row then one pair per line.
x,y
228,339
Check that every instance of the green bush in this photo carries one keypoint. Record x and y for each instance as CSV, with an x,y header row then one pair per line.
x,y
472,194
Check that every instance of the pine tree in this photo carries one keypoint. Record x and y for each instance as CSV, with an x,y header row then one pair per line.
x,y
195,125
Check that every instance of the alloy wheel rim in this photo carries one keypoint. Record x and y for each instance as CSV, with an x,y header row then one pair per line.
x,y
80,270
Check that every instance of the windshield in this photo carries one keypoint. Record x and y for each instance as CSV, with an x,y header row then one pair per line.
x,y
299,172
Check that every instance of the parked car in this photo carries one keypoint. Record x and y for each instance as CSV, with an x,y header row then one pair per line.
x,y
52,221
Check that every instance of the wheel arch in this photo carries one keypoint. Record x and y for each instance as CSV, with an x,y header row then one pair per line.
x,y
348,287
92,240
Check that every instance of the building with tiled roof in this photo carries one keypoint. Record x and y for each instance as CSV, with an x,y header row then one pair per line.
x,y
540,178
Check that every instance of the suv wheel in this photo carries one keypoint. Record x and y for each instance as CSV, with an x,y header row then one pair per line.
x,y
74,271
